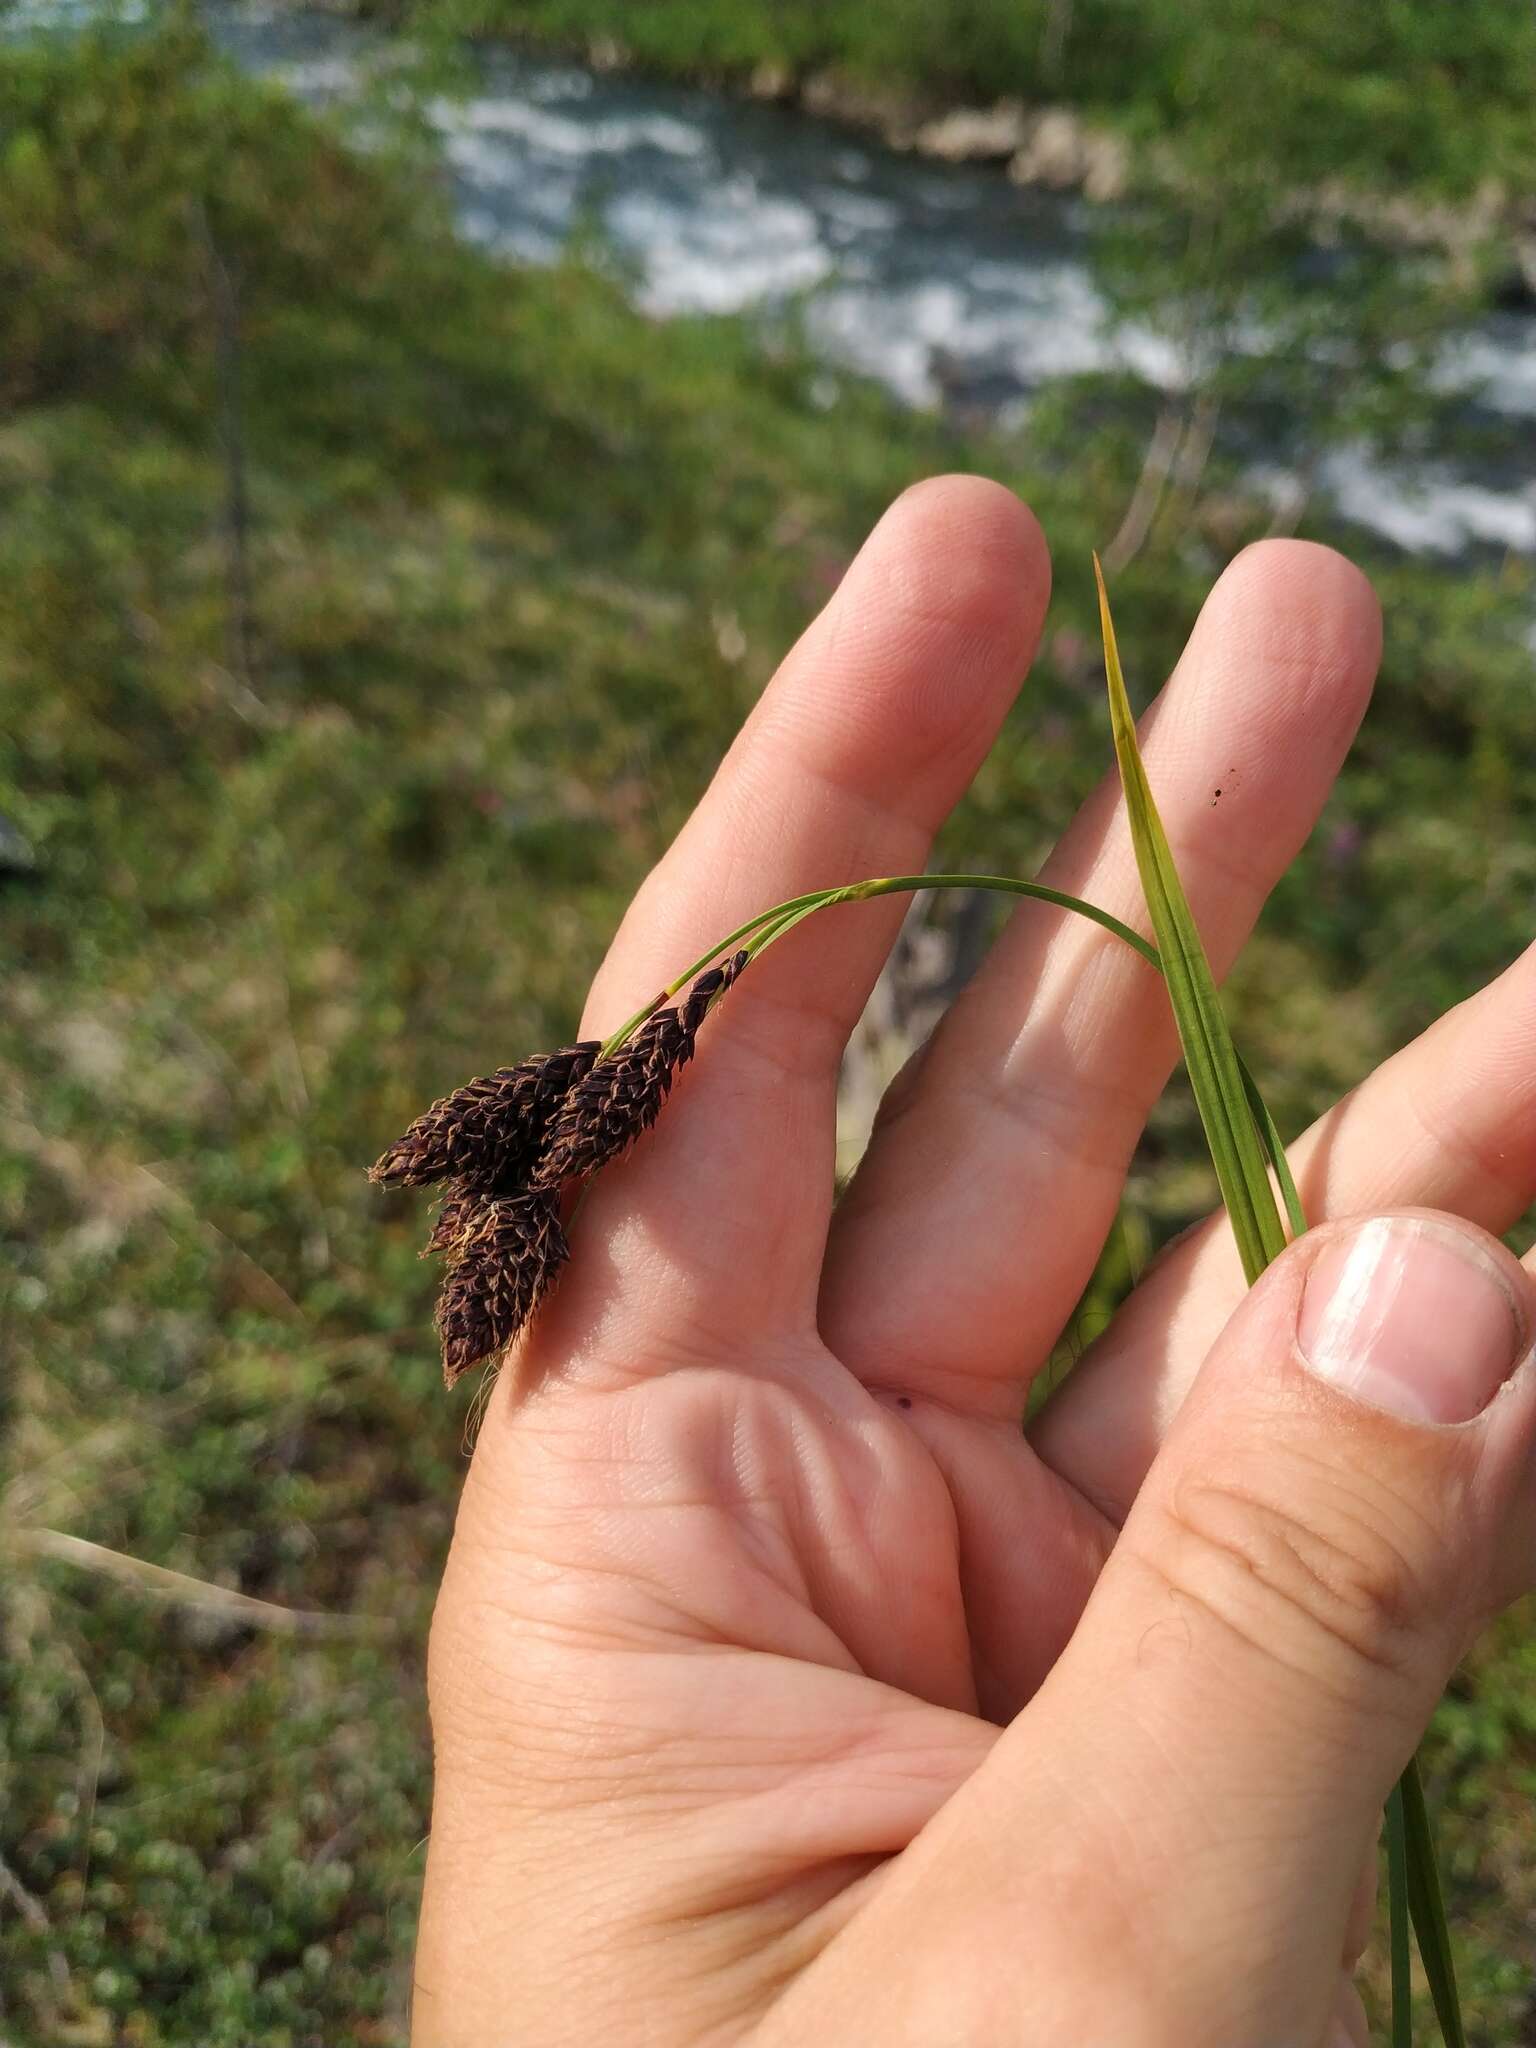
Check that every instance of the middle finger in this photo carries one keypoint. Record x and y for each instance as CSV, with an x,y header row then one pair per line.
x,y
975,1219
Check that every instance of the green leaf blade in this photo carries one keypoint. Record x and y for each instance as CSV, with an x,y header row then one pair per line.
x,y
1244,1146
1427,1906
1215,1073
1399,1931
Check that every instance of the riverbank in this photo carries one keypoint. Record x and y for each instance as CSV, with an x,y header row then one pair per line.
x,y
1413,127
371,613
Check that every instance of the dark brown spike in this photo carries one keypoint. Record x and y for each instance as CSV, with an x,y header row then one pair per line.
x,y
710,985
509,1261
621,1097
609,1108
490,1132
455,1220
506,1142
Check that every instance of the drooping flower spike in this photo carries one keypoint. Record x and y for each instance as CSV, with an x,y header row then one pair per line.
x,y
508,1257
490,1133
505,1146
619,1098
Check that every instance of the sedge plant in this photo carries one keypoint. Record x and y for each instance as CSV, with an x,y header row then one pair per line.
x,y
508,1149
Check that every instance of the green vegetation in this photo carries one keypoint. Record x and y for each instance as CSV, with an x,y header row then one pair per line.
x,y
1391,97
369,618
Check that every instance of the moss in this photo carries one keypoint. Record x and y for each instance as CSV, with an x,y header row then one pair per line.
x,y
518,559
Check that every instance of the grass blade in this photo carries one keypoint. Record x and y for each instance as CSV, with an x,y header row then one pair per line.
x,y
1215,1075
1244,1145
1400,1933
1274,1147
1428,1909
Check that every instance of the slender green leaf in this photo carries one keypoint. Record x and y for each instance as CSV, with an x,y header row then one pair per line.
x,y
1399,1931
1274,1146
1244,1145
1428,1909
1215,1076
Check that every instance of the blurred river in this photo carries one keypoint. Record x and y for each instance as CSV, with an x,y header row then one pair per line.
x,y
946,283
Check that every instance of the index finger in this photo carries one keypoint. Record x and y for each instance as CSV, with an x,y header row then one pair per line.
x,y
858,749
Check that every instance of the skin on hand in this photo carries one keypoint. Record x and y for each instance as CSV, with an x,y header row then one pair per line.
x,y
780,1687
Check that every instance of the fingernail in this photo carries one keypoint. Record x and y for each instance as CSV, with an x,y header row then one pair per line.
x,y
1412,1316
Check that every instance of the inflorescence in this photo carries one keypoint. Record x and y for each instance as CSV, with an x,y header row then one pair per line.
x,y
507,1146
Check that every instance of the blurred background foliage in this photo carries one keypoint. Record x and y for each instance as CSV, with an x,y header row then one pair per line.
x,y
371,612
1391,95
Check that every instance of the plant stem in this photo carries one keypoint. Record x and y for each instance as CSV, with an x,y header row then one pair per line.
x,y
761,931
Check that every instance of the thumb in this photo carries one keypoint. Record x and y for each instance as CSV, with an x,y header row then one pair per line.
x,y
1342,1500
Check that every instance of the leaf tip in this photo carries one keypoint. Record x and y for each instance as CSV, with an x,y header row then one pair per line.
x,y
1098,577
1119,702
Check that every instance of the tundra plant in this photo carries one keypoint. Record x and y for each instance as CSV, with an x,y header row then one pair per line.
x,y
510,1148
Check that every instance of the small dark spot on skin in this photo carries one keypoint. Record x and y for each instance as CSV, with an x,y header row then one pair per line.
x,y
903,1400
1215,799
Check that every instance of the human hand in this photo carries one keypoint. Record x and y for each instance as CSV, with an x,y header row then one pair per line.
x,y
783,1689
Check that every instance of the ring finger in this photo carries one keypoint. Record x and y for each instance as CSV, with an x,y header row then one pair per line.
x,y
1448,1123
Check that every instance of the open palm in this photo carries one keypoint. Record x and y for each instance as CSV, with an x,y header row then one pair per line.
x,y
755,1562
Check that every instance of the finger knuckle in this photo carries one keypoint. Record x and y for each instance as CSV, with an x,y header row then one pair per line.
x,y
1330,1581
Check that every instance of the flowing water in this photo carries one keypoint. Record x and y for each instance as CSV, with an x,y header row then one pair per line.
x,y
947,283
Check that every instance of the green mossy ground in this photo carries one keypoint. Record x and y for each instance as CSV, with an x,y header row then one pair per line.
x,y
519,560
1394,97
